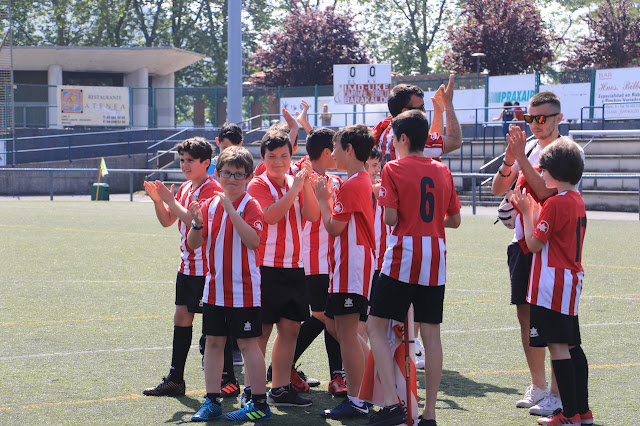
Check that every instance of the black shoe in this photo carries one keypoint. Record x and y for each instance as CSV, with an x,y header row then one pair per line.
x,y
425,422
388,416
287,398
229,389
166,388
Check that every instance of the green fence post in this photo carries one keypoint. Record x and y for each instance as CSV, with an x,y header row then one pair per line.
x,y
315,95
592,95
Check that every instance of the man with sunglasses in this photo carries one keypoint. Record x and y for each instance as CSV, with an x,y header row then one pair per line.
x,y
520,165
405,97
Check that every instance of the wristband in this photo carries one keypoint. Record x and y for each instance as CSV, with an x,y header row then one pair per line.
x,y
194,226
507,164
502,174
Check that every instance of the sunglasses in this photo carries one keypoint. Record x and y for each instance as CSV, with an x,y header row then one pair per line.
x,y
225,174
540,119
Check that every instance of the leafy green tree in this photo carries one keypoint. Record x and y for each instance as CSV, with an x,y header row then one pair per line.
x,y
509,32
613,40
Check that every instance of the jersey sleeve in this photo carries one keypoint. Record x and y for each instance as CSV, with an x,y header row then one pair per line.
x,y
343,206
209,190
253,215
388,195
204,208
260,169
454,202
546,220
259,190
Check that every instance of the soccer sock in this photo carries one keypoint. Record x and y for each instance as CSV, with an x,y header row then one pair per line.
x,y
333,353
260,401
566,378
581,368
181,344
309,330
214,397
356,401
202,343
227,371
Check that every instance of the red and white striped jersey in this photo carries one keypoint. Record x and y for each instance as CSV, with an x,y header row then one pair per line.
x,y
193,261
316,241
555,281
233,279
353,251
421,190
433,147
382,230
281,243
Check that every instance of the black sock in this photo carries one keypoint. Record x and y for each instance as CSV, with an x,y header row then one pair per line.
x,y
566,378
309,330
201,343
181,344
214,397
260,401
247,392
227,371
333,353
581,368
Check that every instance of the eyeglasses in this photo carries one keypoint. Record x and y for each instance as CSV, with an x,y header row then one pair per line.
x,y
225,174
540,119
421,108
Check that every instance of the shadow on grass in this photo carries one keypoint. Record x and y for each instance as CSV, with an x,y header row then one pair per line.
x,y
192,403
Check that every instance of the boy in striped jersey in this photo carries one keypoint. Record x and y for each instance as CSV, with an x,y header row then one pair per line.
x,y
555,233
350,221
419,201
230,224
285,201
195,157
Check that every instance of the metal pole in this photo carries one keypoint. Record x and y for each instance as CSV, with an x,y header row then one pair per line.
x,y
234,62
473,195
50,185
130,186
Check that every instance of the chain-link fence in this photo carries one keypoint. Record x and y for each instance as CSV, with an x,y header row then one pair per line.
x,y
6,79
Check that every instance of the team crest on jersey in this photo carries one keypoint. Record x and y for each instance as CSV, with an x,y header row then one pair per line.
x,y
257,224
383,191
543,226
338,208
247,326
348,302
434,136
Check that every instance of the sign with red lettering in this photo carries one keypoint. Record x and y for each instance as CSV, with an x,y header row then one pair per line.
x,y
618,91
361,84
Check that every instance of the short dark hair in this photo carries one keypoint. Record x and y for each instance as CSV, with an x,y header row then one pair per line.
x,y
400,97
274,139
236,156
230,131
415,125
375,154
360,139
319,139
563,160
197,147
544,98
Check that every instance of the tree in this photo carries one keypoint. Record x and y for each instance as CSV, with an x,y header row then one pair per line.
x,y
404,33
613,40
303,50
509,32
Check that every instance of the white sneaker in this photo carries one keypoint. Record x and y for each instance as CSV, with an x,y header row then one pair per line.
x,y
532,396
547,406
419,354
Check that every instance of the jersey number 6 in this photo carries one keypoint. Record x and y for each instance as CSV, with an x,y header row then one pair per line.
x,y
427,199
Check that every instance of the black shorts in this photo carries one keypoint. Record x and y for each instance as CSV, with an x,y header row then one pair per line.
x,y
549,326
317,291
391,299
284,295
519,268
347,303
241,323
189,289
376,277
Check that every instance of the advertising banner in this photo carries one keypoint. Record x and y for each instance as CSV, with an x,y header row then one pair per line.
x,y
361,84
93,106
620,86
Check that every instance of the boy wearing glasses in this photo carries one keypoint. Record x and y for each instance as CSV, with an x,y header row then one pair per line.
x,y
521,162
230,224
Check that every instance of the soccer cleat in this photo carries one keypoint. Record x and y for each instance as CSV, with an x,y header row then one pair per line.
x,y
310,380
346,409
547,406
208,411
297,383
229,389
558,418
166,388
246,396
586,418
425,422
287,398
419,354
532,396
388,416
249,413
337,385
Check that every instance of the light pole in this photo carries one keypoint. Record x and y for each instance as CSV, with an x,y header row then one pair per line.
x,y
478,55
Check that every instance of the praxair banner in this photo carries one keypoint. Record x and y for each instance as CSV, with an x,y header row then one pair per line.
x,y
93,106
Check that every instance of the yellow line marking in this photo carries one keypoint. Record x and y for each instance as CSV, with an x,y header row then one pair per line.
x,y
86,230
85,320
201,391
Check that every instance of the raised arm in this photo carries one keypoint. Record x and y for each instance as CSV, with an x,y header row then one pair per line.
x,y
453,138
164,215
293,128
517,142
302,117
